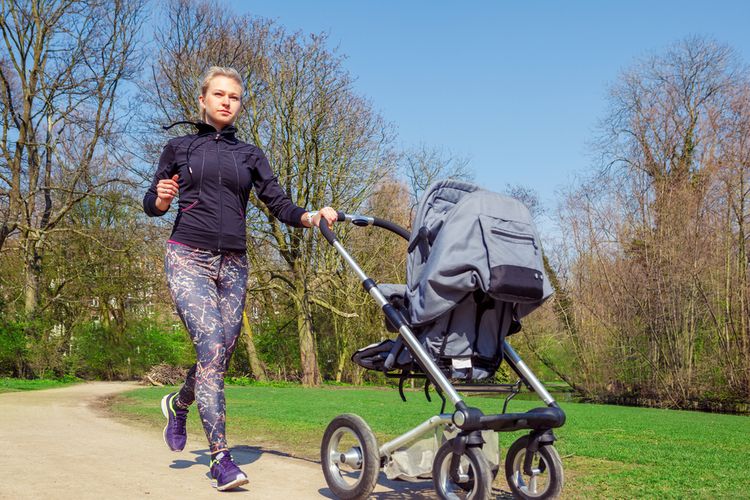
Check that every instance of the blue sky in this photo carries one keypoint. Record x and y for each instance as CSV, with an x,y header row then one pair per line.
x,y
517,87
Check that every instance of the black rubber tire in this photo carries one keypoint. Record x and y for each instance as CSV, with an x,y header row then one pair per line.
x,y
479,486
368,472
548,457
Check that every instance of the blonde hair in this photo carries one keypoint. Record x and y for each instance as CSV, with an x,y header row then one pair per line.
x,y
212,73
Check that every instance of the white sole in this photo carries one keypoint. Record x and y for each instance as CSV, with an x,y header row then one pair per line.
x,y
164,408
233,484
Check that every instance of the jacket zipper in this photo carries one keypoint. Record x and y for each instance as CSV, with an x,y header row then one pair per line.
x,y
514,236
221,202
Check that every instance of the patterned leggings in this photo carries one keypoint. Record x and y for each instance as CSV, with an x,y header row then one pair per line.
x,y
208,289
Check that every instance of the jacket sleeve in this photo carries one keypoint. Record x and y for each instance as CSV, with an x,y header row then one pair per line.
x,y
271,193
163,170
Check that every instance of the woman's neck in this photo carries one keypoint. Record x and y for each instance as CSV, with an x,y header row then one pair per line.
x,y
214,125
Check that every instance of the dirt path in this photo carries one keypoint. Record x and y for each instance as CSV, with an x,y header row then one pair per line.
x,y
55,444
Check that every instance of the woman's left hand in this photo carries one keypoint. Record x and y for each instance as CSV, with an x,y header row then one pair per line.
x,y
330,214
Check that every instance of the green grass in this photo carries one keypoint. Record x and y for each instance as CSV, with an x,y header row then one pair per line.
x,y
16,384
608,451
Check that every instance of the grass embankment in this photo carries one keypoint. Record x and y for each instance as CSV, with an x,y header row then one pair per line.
x,y
608,451
16,384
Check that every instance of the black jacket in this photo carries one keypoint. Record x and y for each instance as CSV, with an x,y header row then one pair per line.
x,y
216,173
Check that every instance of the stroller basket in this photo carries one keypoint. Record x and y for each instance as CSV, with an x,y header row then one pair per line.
x,y
474,270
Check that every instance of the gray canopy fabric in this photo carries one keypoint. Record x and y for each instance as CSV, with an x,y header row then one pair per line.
x,y
464,239
474,268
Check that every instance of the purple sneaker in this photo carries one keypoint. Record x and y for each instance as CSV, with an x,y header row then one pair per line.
x,y
226,473
175,434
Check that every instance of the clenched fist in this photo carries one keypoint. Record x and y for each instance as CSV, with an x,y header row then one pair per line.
x,y
166,190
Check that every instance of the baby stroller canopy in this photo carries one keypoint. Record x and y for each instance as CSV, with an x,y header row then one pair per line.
x,y
474,269
464,239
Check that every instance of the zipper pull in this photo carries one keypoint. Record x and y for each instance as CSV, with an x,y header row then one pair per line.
x,y
217,137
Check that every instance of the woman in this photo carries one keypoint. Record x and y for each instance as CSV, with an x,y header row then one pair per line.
x,y
205,262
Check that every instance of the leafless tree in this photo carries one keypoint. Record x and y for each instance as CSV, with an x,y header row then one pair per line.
x,y
62,69
425,165
659,274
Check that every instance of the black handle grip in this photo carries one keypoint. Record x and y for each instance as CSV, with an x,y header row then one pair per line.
x,y
327,233
392,227
326,230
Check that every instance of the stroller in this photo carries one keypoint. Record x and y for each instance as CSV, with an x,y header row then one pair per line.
x,y
474,269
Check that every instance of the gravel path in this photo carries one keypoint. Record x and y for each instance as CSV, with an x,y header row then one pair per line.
x,y
54,444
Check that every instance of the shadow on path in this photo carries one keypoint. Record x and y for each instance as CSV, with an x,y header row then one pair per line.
x,y
241,454
405,490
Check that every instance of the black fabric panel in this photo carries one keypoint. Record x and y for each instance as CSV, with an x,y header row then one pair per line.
x,y
521,282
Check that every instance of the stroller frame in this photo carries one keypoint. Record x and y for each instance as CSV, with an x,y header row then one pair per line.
x,y
528,458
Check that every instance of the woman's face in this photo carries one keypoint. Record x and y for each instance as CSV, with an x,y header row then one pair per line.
x,y
221,102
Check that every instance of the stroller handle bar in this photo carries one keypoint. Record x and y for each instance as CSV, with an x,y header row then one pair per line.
x,y
361,220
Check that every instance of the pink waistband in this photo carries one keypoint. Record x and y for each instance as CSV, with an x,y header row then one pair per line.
x,y
178,243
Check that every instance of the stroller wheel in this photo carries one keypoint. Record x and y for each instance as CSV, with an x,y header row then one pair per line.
x,y
474,474
546,479
350,457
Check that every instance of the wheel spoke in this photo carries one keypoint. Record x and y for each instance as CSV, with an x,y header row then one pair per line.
x,y
532,484
518,479
334,456
341,470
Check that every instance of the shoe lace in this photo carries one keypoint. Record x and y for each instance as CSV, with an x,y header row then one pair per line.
x,y
181,421
224,462
180,418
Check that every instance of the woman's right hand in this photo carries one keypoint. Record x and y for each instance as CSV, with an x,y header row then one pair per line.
x,y
166,190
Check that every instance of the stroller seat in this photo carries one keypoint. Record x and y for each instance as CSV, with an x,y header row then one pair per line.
x,y
466,344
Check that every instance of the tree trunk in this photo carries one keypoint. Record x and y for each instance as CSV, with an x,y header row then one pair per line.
x,y
259,372
563,307
33,270
307,348
341,353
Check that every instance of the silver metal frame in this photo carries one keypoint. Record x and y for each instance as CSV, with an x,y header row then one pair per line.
x,y
411,340
360,219
410,436
446,419
525,372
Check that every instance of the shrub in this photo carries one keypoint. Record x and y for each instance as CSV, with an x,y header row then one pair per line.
x,y
103,352
13,351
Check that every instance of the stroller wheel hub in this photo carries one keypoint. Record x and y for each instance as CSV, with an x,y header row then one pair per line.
x,y
352,458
